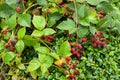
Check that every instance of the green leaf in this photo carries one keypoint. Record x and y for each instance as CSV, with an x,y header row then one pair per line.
x,y
29,40
82,12
34,74
55,55
84,22
42,57
39,22
19,46
8,57
12,21
37,33
92,29
105,6
34,64
48,31
6,10
64,49
95,2
43,50
2,43
47,64
67,25
25,20
11,2
21,33
42,2
82,32
21,66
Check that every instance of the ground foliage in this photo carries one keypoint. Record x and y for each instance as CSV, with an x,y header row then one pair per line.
x,y
59,39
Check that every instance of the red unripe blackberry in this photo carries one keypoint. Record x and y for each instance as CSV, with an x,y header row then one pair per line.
x,y
80,47
84,39
103,39
101,12
68,58
72,66
11,48
72,77
50,37
6,45
98,34
78,55
16,37
11,41
102,43
101,16
97,42
18,9
75,53
72,50
43,37
5,31
76,72
95,45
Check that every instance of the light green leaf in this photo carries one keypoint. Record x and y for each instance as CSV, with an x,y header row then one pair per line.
x,y
95,2
21,66
43,50
82,12
47,64
55,55
19,46
67,25
33,65
21,33
37,33
92,29
42,2
34,74
11,2
42,57
2,43
29,40
65,49
82,32
39,22
84,22
12,21
8,57
48,31
25,20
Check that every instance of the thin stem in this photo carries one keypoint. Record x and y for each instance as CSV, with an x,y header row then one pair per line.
x,y
76,16
29,8
46,45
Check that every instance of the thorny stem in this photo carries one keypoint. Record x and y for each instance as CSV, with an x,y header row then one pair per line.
x,y
76,16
